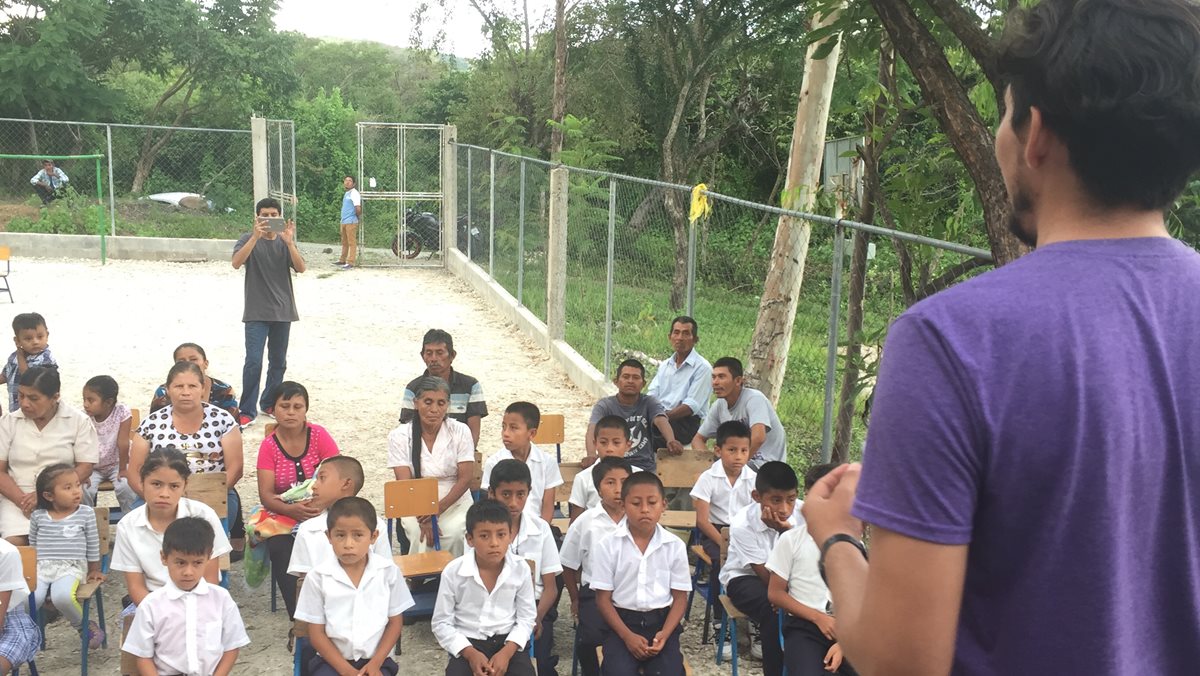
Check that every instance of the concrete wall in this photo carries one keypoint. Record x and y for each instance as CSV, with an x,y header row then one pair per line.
x,y
38,245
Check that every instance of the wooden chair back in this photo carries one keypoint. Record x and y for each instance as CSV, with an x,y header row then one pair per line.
x,y
29,566
569,471
551,429
211,489
103,527
477,477
681,471
724,545
269,429
5,253
135,420
410,497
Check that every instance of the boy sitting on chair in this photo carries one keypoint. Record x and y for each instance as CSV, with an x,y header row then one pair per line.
x,y
521,420
642,581
611,439
340,476
485,610
188,626
353,601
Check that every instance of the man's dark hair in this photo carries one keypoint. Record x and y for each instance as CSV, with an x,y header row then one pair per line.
x,y
776,476
607,465
347,467
487,511
611,422
732,363
732,429
528,412
352,179
816,472
639,478
510,471
684,319
188,535
631,363
353,507
1117,81
267,203
434,336
27,321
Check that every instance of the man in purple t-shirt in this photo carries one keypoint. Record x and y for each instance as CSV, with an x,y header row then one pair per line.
x,y
1032,471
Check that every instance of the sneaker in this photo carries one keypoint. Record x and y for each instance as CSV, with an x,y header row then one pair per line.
x,y
756,650
338,264
95,636
244,420
714,628
346,266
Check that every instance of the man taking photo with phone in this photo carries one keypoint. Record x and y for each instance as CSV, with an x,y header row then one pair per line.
x,y
269,257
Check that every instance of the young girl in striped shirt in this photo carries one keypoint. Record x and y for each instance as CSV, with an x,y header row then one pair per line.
x,y
63,531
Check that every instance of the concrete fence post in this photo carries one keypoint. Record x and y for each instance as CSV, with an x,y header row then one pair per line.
x,y
556,256
259,157
449,189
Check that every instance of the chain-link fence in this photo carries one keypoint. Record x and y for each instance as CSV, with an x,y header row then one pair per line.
x,y
281,165
400,180
634,262
159,181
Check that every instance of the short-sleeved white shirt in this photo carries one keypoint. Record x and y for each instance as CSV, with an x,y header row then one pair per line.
x,y
582,537
465,609
453,445
138,547
724,499
641,580
12,577
312,547
583,489
354,617
795,559
751,541
186,632
543,472
535,542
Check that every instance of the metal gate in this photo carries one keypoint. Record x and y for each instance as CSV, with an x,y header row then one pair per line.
x,y
402,187
281,164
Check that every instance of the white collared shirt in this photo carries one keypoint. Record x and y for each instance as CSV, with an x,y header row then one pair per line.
x,y
12,578
751,541
312,546
582,537
453,445
186,632
354,617
465,609
583,489
641,580
687,383
138,547
795,559
535,542
543,472
724,499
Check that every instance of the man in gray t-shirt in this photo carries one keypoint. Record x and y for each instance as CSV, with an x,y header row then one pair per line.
x,y
640,411
269,258
768,440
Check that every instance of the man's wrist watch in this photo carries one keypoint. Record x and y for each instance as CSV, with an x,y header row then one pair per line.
x,y
833,540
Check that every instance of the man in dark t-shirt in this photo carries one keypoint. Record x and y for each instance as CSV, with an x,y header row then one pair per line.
x,y
467,403
269,258
1032,465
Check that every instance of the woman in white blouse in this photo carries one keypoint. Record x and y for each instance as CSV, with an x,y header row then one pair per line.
x,y
42,432
447,453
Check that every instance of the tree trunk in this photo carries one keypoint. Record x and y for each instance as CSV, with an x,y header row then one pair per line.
x,y
777,311
957,117
677,215
558,108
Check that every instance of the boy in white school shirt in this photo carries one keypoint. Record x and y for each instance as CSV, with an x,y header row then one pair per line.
x,y
485,610
642,580
611,438
521,420
187,627
597,523
340,476
534,542
720,492
353,601
752,536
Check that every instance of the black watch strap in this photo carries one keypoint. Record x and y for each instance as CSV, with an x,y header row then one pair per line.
x,y
833,540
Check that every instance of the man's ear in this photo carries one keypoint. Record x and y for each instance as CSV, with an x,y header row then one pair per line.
x,y
1038,139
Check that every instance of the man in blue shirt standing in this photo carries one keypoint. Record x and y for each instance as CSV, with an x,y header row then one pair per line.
x,y
47,182
351,212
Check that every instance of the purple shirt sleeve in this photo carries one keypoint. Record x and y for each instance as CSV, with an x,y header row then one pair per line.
x,y
923,464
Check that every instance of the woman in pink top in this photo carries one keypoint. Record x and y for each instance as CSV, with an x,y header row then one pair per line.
x,y
287,457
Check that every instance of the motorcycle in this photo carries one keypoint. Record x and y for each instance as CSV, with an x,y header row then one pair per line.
x,y
424,233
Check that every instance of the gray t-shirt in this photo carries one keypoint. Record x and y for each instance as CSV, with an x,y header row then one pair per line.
x,y
269,294
638,418
752,408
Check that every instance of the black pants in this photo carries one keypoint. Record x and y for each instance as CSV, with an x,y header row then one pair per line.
x,y
592,632
684,430
543,648
46,194
279,548
618,661
519,665
804,648
713,549
319,667
749,595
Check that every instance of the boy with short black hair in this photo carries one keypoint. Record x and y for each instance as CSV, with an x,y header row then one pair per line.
x,y
608,477
31,337
485,610
188,626
533,541
752,535
641,580
337,477
639,411
796,588
353,602
611,439
521,420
